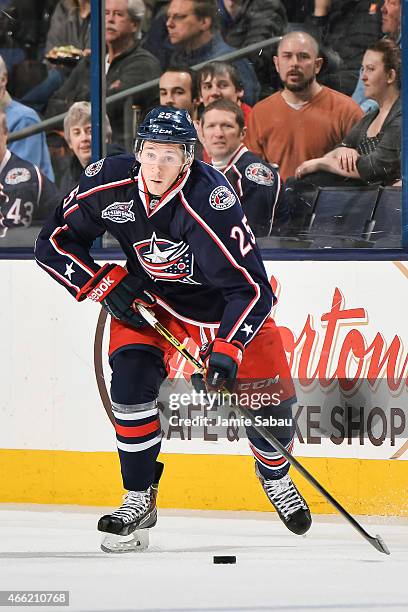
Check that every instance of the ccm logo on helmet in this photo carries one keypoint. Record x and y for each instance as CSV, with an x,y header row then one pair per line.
x,y
100,291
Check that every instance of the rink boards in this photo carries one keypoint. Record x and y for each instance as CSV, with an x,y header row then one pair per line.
x,y
337,321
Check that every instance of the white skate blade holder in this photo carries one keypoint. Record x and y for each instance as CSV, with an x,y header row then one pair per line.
x,y
137,541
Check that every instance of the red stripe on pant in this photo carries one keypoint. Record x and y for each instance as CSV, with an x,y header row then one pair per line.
x,y
271,462
137,431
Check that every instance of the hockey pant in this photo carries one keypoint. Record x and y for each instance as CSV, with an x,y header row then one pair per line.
x,y
140,360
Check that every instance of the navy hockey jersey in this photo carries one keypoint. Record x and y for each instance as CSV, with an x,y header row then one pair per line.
x,y
27,195
193,247
258,186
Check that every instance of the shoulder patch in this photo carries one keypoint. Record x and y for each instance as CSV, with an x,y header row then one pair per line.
x,y
259,173
17,175
94,168
222,198
119,212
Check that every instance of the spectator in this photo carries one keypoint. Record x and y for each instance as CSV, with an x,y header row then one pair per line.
x,y
127,65
305,119
19,29
371,150
391,27
26,195
352,25
221,80
34,148
70,25
78,134
218,80
244,22
256,183
193,37
391,19
178,88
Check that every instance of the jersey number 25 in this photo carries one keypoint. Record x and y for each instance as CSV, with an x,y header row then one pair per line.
x,y
238,234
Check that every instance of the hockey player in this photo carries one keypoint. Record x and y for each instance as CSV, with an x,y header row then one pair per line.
x,y
26,195
191,255
257,183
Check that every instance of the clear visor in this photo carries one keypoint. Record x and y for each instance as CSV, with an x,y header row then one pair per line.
x,y
163,154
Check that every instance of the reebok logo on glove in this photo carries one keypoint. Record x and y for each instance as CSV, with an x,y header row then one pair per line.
x,y
99,292
102,283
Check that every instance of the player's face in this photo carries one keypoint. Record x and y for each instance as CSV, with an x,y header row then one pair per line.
x,y
297,63
80,137
175,90
221,86
221,134
117,21
374,76
182,24
391,17
161,164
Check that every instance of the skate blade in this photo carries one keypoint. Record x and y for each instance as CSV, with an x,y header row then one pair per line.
x,y
138,541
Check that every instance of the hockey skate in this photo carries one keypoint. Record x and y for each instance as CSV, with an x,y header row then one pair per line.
x,y
128,526
288,502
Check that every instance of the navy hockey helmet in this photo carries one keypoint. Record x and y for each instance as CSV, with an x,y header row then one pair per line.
x,y
166,124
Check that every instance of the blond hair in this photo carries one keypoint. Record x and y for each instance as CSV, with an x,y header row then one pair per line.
x,y
80,114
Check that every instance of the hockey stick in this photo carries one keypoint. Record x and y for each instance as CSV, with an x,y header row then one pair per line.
x,y
376,541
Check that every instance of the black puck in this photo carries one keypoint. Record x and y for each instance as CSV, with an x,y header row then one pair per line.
x,y
225,559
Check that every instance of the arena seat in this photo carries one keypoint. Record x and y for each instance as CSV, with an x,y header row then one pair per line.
x,y
340,216
385,229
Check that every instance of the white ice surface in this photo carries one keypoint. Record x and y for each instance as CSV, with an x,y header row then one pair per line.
x,y
331,569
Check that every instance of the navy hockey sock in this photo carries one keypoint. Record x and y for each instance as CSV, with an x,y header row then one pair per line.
x,y
136,379
270,462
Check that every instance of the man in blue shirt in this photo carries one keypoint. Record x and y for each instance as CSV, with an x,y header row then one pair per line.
x,y
34,148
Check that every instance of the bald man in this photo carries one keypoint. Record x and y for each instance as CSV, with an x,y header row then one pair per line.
x,y
303,118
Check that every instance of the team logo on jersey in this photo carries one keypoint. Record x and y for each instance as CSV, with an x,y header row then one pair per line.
x,y
94,168
258,173
222,198
165,260
119,212
17,175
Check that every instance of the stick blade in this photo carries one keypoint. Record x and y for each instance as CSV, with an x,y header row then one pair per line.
x,y
379,544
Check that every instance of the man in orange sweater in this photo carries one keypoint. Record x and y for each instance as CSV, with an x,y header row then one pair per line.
x,y
304,118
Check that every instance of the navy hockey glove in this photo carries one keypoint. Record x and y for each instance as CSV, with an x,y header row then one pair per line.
x,y
222,360
118,292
